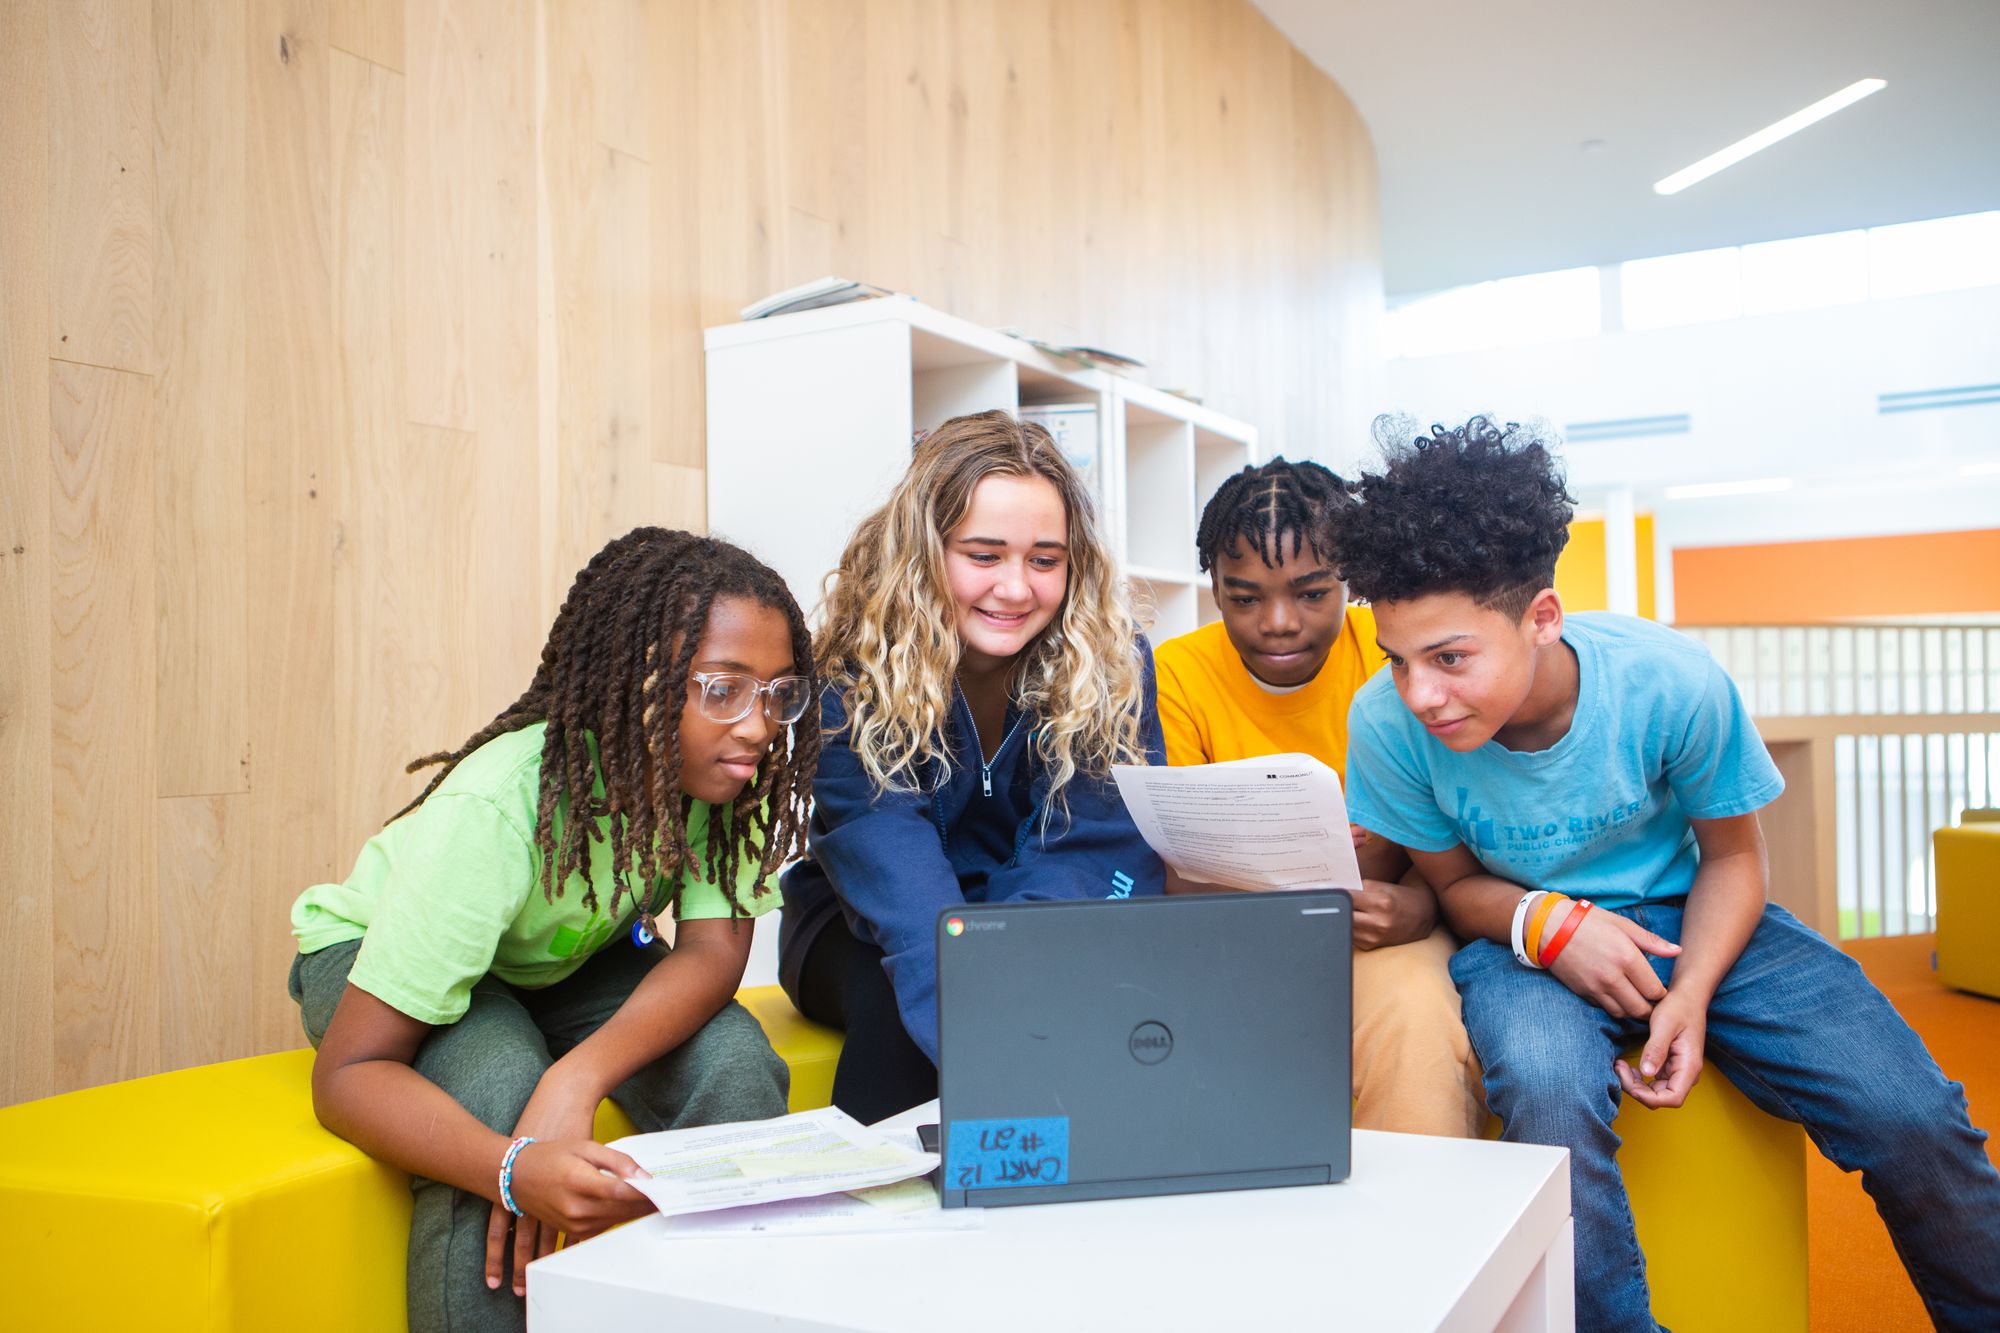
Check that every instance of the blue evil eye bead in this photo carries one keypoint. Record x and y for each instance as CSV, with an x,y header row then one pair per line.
x,y
642,931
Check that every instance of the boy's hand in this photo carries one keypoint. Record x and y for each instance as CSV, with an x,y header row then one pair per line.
x,y
557,1194
1605,963
1671,1062
1387,914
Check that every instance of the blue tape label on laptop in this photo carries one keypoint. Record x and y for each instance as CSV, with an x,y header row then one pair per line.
x,y
1000,1154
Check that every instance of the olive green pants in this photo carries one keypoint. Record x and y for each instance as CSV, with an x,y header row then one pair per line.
x,y
490,1061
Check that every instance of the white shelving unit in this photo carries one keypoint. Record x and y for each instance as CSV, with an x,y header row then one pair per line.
x,y
810,420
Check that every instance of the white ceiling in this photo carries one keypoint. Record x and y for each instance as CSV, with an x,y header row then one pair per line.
x,y
1480,108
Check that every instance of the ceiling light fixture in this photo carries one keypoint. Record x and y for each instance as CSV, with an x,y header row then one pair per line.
x,y
1708,489
1980,469
1767,136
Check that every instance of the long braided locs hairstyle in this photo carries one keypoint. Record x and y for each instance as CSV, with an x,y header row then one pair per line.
x,y
615,668
1259,506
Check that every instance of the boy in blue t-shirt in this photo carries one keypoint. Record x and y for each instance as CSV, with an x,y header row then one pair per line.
x,y
1582,791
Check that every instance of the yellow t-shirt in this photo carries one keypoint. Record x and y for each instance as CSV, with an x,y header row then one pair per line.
x,y
1213,711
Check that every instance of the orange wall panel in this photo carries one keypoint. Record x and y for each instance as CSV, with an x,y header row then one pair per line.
x,y
1791,583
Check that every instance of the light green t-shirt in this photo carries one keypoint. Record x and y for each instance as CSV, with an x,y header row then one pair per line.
x,y
453,891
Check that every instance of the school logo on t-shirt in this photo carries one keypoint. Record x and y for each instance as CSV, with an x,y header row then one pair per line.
x,y
1473,830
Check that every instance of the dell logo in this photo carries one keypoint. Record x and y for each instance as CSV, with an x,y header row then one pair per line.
x,y
1150,1043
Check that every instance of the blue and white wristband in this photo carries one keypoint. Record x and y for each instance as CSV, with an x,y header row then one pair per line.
x,y
507,1175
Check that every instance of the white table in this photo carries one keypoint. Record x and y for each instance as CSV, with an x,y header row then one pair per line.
x,y
1426,1234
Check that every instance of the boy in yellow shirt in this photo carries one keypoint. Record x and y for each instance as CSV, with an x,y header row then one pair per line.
x,y
1276,675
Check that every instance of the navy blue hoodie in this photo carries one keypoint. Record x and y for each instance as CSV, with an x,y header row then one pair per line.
x,y
893,860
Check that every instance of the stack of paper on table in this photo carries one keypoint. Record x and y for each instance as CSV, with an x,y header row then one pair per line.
x,y
1278,821
812,1171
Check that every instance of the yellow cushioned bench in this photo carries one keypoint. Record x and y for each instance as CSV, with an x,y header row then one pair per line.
x,y
211,1199
1718,1193
1968,903
1719,1196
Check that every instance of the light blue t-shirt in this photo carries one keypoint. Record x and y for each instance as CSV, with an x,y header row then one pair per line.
x,y
1659,737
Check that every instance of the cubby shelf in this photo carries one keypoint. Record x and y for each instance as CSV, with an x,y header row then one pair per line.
x,y
811,418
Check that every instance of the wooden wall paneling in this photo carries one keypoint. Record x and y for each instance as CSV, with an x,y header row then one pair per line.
x,y
1096,63
107,927
436,513
824,166
742,154
198,97
27,943
902,215
679,423
101,183
622,340
206,995
471,301
506,369
447,187
620,76
372,582
598,207
370,29
290,410
680,497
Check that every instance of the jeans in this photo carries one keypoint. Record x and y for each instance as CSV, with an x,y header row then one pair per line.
x,y
490,1061
1801,1031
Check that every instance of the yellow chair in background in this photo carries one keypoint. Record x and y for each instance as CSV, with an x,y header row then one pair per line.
x,y
1968,903
1718,1194
211,1199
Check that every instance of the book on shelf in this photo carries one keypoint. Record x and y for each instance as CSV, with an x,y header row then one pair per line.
x,y
811,296
1074,428
1093,356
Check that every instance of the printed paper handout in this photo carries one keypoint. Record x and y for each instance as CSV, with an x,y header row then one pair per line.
x,y
1275,822
763,1161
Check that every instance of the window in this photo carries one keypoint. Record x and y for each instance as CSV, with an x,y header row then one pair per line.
x,y
1806,273
1682,289
1942,255
1513,312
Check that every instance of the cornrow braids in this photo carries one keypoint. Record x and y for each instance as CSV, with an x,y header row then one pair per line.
x,y
613,679
1260,506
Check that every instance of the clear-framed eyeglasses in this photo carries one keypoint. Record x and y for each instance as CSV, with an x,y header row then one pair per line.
x,y
728,696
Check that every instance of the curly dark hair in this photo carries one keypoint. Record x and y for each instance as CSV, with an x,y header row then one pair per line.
x,y
615,671
1480,509
1260,506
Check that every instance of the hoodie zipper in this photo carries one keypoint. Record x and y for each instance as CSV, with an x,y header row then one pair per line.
x,y
985,764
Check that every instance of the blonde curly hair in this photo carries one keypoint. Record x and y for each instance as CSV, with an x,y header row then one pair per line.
x,y
887,636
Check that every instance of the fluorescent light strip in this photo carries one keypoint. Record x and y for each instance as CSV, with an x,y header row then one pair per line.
x,y
1767,136
1980,470
1707,489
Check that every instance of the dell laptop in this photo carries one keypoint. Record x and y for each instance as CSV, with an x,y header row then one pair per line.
x,y
1105,1050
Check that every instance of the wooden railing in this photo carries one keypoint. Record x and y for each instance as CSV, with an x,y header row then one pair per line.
x,y
1884,733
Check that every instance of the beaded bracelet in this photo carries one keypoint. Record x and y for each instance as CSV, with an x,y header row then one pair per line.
x,y
1561,939
507,1175
1520,916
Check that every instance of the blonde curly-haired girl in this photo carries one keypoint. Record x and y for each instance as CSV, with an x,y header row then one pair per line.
x,y
984,674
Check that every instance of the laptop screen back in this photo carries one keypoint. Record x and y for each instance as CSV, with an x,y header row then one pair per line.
x,y
1160,1045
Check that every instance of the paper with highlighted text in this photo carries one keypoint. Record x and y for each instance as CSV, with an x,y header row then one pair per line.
x,y
763,1161
1278,821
